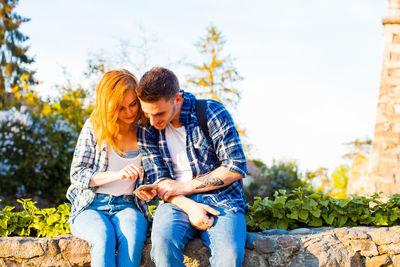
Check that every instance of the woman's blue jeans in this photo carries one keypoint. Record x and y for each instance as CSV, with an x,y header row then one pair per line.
x,y
172,230
112,224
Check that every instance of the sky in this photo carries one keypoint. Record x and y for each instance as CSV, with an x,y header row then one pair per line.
x,y
311,68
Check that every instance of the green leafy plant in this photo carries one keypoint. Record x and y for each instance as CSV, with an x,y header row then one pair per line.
x,y
299,209
35,222
279,175
32,221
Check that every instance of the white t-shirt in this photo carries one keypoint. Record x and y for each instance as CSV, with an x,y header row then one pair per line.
x,y
117,163
176,142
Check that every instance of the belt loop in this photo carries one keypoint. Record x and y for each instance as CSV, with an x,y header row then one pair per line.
x,y
109,202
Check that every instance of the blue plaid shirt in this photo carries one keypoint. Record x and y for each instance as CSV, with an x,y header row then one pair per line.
x,y
90,158
204,155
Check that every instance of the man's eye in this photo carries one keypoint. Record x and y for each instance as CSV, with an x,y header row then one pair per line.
x,y
133,104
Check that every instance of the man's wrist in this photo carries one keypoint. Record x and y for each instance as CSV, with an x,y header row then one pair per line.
x,y
160,180
182,202
188,187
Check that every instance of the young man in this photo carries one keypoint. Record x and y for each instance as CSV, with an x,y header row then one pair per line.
x,y
197,176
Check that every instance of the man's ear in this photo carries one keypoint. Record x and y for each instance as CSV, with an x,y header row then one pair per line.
x,y
179,99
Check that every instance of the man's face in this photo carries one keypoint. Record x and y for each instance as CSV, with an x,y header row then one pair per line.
x,y
162,112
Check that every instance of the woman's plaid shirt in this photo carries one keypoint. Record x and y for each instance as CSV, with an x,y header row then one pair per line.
x,y
89,158
204,156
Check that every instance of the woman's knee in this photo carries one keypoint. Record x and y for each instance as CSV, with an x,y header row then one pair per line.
x,y
132,225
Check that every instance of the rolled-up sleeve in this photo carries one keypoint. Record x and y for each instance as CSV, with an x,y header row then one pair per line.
x,y
82,166
226,139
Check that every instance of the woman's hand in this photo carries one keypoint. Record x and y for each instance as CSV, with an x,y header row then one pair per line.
x,y
146,192
131,172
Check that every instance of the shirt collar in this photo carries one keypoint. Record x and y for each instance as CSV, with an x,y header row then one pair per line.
x,y
187,107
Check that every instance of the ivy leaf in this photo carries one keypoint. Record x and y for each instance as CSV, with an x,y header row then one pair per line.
x,y
329,218
316,213
303,215
342,220
315,196
294,215
315,222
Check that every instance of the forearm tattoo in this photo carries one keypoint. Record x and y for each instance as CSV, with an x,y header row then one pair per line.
x,y
208,180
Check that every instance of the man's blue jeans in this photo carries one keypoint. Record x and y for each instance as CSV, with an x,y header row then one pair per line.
x,y
172,230
109,224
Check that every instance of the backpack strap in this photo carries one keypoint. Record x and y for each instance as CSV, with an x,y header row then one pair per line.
x,y
202,116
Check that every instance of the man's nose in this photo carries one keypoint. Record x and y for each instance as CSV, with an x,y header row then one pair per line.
x,y
152,120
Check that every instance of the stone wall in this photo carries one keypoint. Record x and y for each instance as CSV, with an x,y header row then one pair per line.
x,y
383,170
356,246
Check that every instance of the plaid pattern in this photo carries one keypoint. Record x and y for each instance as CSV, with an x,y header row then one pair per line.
x,y
204,155
89,158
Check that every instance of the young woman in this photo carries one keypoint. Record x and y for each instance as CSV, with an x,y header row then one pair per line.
x,y
105,170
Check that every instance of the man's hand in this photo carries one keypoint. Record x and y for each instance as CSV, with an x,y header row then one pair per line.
x,y
168,188
199,218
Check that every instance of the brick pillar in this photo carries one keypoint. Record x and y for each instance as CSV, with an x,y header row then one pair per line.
x,y
383,174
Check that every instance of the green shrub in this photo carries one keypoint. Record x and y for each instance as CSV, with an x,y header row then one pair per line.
x,y
300,209
33,221
279,176
35,156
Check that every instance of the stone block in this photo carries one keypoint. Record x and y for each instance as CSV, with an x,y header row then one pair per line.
x,y
289,245
75,251
385,235
251,238
300,231
253,259
265,246
20,247
366,247
275,232
378,261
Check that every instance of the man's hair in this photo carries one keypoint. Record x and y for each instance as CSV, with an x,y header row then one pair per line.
x,y
158,83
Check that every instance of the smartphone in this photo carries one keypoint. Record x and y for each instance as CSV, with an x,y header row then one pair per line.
x,y
146,187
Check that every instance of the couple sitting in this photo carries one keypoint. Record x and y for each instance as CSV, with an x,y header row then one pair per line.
x,y
149,133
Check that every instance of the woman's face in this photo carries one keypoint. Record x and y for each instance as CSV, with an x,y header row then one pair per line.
x,y
129,108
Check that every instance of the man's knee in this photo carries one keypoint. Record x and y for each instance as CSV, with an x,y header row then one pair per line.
x,y
162,240
229,255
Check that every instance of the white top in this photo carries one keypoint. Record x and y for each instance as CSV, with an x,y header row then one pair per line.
x,y
117,163
176,142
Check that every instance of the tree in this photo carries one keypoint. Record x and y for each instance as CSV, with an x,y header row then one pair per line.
x,y
280,175
70,105
15,77
217,77
340,178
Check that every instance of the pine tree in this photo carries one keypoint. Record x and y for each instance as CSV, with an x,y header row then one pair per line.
x,y
216,78
15,77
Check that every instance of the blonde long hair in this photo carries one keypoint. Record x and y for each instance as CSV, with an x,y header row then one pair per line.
x,y
109,95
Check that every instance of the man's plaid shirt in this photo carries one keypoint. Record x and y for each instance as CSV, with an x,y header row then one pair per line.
x,y
204,156
90,158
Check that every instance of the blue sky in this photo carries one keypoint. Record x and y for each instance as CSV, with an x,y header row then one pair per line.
x,y
311,68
